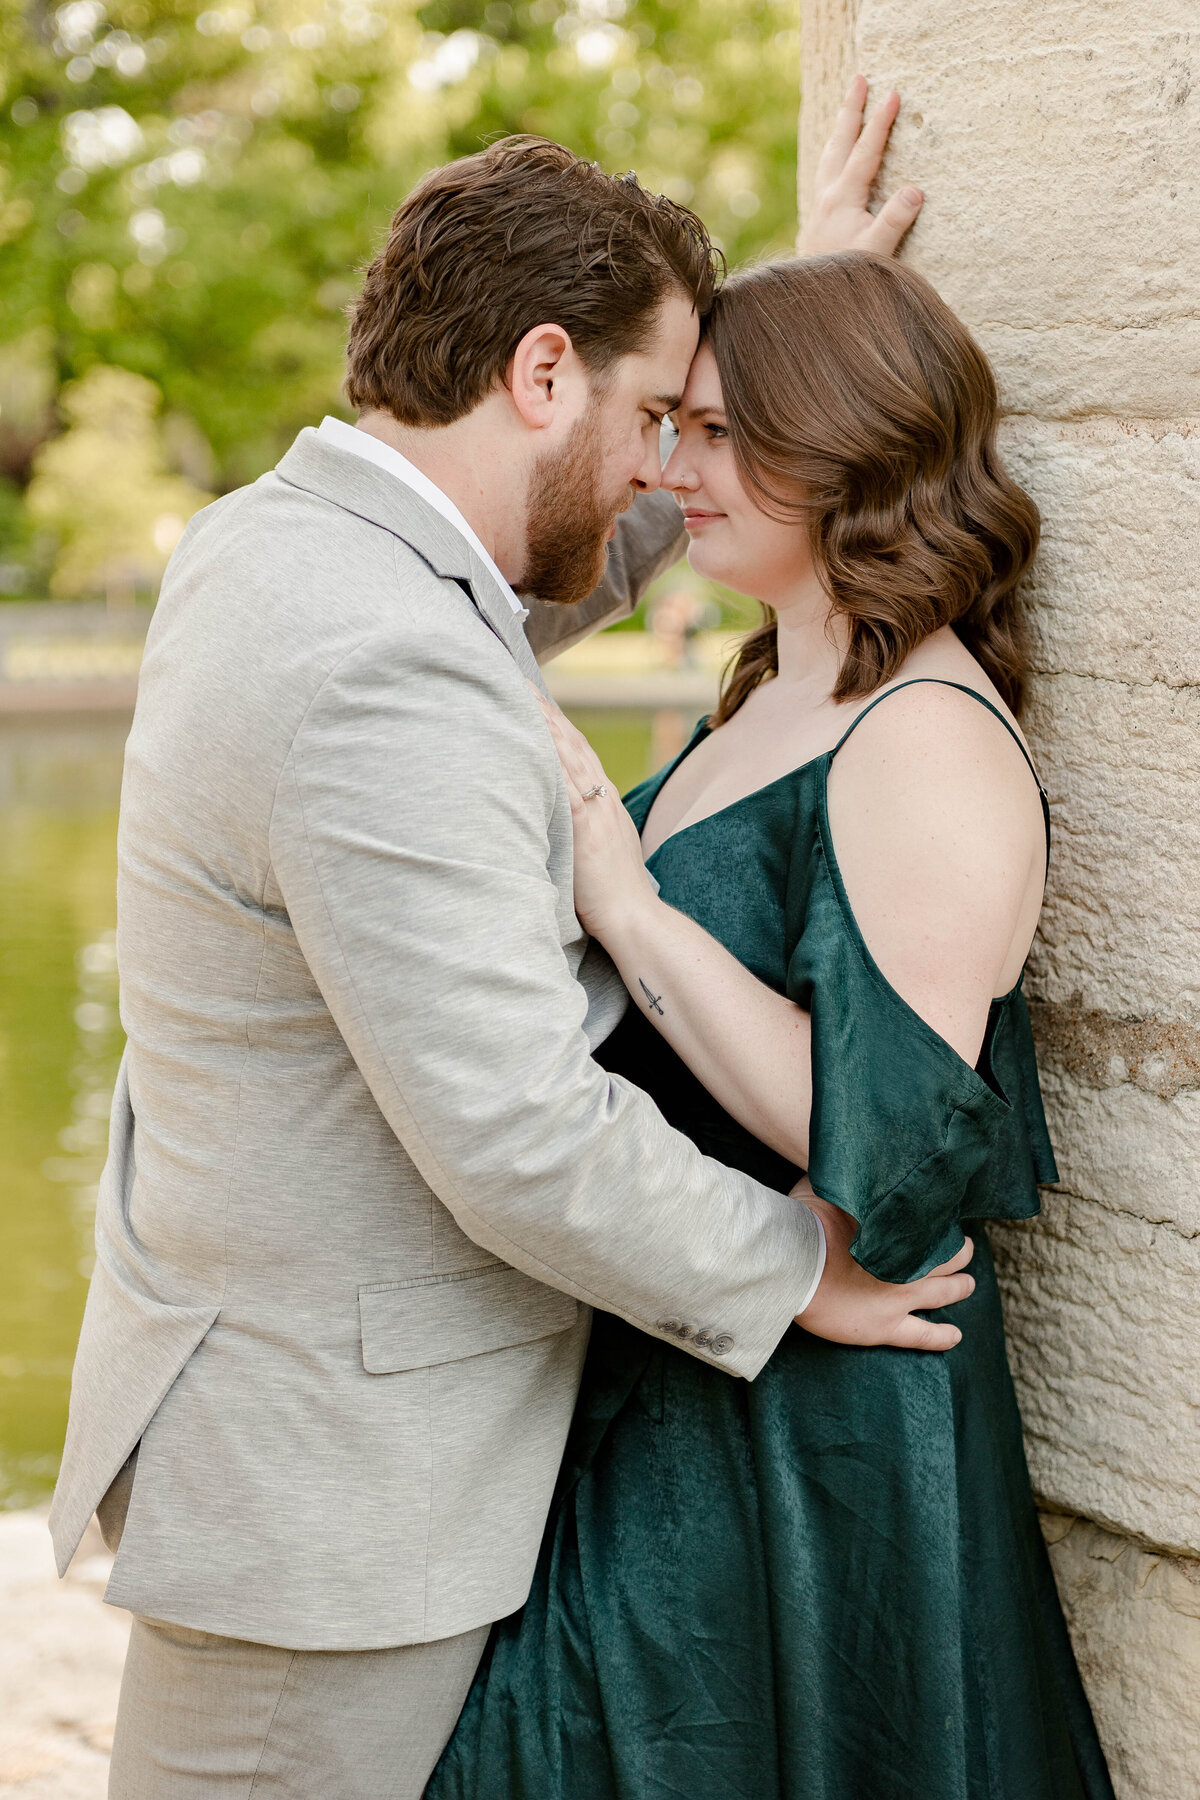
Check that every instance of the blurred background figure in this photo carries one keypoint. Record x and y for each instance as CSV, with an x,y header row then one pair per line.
x,y
676,618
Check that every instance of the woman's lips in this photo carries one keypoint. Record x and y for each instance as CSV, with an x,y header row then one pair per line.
x,y
692,521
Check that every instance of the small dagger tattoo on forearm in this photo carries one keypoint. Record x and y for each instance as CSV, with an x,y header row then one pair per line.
x,y
652,1000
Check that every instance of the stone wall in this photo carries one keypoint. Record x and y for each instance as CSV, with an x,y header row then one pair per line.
x,y
1059,147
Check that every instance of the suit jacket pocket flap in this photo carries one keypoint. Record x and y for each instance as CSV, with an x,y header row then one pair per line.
x,y
444,1318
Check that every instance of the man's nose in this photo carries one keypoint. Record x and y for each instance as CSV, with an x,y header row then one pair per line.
x,y
649,476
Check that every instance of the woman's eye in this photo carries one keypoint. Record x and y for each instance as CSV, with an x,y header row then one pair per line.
x,y
715,432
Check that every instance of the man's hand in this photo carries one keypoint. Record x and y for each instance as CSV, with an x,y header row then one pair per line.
x,y
852,1307
849,163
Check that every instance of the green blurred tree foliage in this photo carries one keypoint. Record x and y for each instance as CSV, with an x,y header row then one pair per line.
x,y
102,489
187,191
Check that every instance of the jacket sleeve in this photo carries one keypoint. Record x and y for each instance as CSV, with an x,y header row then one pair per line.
x,y
410,839
650,537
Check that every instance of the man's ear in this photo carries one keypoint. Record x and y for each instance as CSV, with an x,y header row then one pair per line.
x,y
543,363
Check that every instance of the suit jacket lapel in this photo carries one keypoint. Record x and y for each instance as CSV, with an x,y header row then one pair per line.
x,y
492,602
371,493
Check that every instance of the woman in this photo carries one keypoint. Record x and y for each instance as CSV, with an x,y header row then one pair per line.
x,y
827,1584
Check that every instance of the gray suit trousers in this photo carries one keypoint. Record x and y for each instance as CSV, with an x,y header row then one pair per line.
x,y
203,1717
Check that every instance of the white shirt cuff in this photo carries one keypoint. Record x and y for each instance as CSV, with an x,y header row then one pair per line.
x,y
821,1251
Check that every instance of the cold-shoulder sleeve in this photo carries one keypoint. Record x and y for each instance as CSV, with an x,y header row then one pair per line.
x,y
902,1129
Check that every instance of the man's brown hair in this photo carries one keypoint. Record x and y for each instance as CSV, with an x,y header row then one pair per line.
x,y
483,249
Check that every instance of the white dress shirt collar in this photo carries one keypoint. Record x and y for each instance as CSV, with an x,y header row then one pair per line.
x,y
373,449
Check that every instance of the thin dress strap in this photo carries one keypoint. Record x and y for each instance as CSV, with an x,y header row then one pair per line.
x,y
938,681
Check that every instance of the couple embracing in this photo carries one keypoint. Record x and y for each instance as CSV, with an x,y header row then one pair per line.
x,y
523,1249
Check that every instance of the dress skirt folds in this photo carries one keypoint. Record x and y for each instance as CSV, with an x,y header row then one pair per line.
x,y
828,1583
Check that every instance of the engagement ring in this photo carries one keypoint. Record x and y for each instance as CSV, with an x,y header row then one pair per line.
x,y
596,793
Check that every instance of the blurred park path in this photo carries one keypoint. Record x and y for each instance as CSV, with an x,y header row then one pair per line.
x,y
61,1651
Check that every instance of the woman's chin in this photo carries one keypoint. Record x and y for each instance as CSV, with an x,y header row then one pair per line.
x,y
701,559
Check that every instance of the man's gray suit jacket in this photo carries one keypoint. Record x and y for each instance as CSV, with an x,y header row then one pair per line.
x,y
365,1178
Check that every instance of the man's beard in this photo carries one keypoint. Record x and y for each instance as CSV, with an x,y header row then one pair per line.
x,y
569,521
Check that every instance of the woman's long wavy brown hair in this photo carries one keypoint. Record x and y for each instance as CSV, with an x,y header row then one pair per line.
x,y
857,401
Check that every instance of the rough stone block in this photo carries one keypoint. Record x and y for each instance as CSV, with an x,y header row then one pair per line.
x,y
1135,1623
1101,1315
1159,1057
1082,290
1112,593
1120,932
1129,1150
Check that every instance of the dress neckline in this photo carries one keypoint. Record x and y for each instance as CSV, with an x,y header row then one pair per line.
x,y
702,731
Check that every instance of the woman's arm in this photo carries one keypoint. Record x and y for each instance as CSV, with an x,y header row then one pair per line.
x,y
944,892
748,1045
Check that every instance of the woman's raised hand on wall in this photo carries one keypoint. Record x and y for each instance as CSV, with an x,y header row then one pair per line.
x,y
839,218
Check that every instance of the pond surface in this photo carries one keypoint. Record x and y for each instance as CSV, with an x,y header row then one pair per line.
x,y
60,1042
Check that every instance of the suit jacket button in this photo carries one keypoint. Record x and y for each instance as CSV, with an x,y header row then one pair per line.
x,y
706,1337
672,1327
722,1344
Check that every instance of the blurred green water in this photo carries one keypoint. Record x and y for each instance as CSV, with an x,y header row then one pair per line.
x,y
60,1043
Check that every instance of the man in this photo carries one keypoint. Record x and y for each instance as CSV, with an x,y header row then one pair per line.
x,y
365,1180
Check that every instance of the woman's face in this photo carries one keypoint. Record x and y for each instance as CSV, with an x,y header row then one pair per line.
x,y
730,539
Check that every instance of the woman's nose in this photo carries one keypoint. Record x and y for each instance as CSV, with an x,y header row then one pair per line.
x,y
676,476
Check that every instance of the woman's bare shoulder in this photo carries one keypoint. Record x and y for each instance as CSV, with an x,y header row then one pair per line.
x,y
924,710
929,760
937,829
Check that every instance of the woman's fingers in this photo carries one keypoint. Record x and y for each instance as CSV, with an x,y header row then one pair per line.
x,y
862,165
573,748
562,747
840,217
586,767
556,719
891,222
581,765
844,135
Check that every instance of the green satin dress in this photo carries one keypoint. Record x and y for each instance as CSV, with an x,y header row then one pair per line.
x,y
828,1583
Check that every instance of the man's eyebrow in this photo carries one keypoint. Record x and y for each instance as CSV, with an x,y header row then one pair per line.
x,y
668,402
